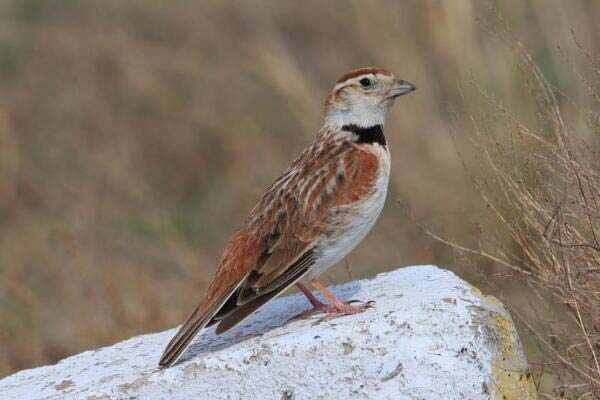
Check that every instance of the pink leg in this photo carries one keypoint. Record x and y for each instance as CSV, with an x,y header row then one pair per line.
x,y
335,307
311,297
317,306
338,307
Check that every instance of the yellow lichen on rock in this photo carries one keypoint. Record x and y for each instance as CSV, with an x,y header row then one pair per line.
x,y
512,379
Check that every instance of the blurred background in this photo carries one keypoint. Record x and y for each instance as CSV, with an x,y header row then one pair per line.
x,y
135,137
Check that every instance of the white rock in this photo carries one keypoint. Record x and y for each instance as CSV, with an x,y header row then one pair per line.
x,y
430,336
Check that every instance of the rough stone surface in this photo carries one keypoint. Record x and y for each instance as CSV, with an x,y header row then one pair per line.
x,y
430,336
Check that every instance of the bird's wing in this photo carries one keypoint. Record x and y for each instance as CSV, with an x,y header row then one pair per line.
x,y
277,246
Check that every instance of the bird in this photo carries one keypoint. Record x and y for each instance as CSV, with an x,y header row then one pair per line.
x,y
311,217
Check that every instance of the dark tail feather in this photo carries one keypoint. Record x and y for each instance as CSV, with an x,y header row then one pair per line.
x,y
195,322
183,337
201,317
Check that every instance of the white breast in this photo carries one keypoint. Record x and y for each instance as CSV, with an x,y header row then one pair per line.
x,y
358,218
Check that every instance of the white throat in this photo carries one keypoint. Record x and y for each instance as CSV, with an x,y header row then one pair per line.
x,y
363,117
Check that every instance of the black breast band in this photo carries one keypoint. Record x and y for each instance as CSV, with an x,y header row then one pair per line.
x,y
373,134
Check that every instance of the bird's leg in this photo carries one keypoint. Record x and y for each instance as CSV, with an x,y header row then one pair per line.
x,y
334,308
317,306
338,307
311,297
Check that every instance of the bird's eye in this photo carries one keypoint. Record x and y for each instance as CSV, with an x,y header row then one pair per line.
x,y
366,82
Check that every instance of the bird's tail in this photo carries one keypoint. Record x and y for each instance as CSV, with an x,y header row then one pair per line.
x,y
228,313
196,321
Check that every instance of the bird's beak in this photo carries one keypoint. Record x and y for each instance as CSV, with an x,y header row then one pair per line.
x,y
401,88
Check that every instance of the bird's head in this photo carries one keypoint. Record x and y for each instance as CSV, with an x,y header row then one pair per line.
x,y
363,97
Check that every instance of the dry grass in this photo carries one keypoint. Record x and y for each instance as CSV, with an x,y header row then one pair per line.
x,y
135,136
538,177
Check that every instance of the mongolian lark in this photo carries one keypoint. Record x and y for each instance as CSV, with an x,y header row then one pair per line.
x,y
312,216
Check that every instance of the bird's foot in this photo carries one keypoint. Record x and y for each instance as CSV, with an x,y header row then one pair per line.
x,y
336,309
317,308
339,308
